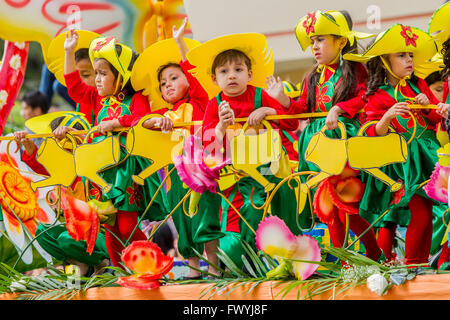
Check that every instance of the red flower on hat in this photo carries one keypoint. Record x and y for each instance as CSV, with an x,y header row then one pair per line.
x,y
410,37
102,43
309,22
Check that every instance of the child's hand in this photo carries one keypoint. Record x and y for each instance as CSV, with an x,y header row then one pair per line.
x,y
27,143
226,115
107,126
442,109
255,118
60,132
166,124
178,35
71,41
422,99
398,109
331,121
275,90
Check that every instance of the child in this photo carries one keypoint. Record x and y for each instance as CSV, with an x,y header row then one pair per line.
x,y
179,97
335,86
56,240
392,85
115,104
34,103
234,68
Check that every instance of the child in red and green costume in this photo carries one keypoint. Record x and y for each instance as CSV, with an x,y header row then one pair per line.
x,y
116,104
337,87
233,69
391,61
178,97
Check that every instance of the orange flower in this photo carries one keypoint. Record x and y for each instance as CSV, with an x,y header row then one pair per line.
x,y
148,261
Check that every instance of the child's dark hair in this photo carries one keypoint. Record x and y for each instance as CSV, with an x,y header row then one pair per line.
x,y
231,55
347,85
433,78
128,88
57,121
377,75
446,57
36,99
81,54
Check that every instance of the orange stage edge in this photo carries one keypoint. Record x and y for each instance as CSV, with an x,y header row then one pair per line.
x,y
424,287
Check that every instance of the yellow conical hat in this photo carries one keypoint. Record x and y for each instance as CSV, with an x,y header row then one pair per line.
x,y
254,45
400,38
105,48
439,27
144,75
318,23
55,54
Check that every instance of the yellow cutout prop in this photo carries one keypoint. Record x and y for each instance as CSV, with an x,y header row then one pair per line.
x,y
91,158
248,152
154,145
58,162
361,153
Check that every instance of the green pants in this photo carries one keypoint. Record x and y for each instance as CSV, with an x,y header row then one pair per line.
x,y
57,242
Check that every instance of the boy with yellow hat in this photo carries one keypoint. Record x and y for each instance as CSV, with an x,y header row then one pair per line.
x,y
233,69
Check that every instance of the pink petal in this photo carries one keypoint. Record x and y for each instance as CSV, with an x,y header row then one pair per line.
x,y
274,237
437,187
307,249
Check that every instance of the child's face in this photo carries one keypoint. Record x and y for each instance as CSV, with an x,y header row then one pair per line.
x,y
105,81
401,64
86,71
27,112
438,89
173,84
232,78
326,48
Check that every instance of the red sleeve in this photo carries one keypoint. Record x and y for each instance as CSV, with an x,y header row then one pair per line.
x,y
432,116
376,106
139,107
82,93
210,120
31,161
198,97
445,94
356,104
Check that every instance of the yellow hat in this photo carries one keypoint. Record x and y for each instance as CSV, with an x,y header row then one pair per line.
x,y
318,23
105,48
400,38
144,75
439,27
434,64
254,45
55,54
41,124
290,89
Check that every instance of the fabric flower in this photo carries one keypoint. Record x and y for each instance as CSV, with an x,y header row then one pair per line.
x,y
309,22
437,187
15,62
148,261
275,239
322,98
20,45
377,283
410,37
3,98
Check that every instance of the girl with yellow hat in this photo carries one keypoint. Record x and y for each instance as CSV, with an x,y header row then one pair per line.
x,y
116,104
391,60
335,86
178,96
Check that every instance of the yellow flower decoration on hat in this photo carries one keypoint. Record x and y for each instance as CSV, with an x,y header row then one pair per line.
x,y
144,75
254,45
55,54
321,23
438,26
105,48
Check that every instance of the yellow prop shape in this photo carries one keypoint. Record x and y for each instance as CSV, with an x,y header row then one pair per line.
x,y
248,152
58,162
361,153
91,158
154,145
